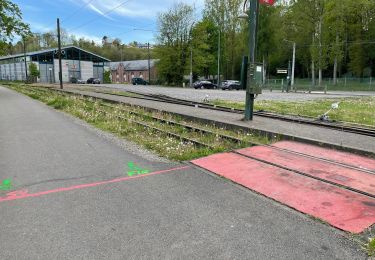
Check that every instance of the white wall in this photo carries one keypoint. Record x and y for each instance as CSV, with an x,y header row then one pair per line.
x,y
87,70
65,70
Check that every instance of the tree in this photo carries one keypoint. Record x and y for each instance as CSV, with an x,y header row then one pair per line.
x,y
10,23
202,49
34,72
173,43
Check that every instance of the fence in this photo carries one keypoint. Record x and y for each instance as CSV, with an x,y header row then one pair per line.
x,y
343,84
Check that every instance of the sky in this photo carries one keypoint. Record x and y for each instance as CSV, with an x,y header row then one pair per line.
x,y
92,19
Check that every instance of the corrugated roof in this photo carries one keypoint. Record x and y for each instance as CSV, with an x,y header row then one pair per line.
x,y
133,64
50,50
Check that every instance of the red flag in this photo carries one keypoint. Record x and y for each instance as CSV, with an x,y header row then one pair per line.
x,y
268,2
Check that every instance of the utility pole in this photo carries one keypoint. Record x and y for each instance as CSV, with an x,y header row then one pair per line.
x,y
24,55
59,53
218,59
253,26
293,64
191,66
149,63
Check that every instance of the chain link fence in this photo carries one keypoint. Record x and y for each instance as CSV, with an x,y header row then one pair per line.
x,y
343,84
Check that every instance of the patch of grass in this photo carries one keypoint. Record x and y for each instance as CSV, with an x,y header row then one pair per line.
x,y
121,120
359,110
371,247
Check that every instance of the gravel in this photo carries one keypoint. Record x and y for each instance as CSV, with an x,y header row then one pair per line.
x,y
199,95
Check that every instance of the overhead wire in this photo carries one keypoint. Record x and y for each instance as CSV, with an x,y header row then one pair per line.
x,y
105,13
76,11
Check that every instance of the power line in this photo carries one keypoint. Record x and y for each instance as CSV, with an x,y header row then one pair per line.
x,y
76,11
107,12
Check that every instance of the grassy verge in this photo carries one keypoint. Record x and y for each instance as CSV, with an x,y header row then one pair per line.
x,y
120,120
359,110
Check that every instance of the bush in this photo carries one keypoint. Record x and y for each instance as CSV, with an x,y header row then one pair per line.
x,y
107,77
34,72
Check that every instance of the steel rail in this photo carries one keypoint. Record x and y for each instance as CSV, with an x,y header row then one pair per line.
x,y
307,175
252,143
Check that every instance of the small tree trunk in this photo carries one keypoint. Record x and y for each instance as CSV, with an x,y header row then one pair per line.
x,y
320,53
264,69
335,63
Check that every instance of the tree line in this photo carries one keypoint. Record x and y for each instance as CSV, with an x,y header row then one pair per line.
x,y
333,39
114,50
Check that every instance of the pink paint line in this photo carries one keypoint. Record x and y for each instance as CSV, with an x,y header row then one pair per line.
x,y
22,194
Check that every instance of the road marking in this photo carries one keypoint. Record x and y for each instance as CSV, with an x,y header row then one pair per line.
x,y
23,194
136,170
6,184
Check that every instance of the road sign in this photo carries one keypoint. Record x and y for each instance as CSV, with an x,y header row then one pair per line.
x,y
282,71
268,2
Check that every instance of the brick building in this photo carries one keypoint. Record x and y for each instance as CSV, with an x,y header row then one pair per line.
x,y
124,71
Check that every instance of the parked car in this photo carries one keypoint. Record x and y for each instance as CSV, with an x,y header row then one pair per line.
x,y
139,81
73,80
93,81
77,81
201,84
230,84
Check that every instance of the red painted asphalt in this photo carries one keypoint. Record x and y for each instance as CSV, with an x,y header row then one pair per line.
x,y
342,208
323,170
329,154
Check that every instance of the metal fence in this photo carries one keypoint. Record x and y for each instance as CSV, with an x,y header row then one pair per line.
x,y
343,84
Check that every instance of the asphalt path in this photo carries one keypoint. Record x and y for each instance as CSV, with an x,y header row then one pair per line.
x,y
75,200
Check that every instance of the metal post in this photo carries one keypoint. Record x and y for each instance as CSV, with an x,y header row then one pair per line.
x,y
59,53
24,56
218,59
288,82
191,66
294,64
253,20
149,63
244,71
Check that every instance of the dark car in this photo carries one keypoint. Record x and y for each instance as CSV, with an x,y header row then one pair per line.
x,y
204,84
230,84
74,80
77,81
93,81
139,81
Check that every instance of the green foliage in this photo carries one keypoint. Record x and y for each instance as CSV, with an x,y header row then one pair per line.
x,y
107,77
33,70
173,49
10,23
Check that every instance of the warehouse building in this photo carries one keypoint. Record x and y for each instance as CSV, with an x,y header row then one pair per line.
x,y
76,63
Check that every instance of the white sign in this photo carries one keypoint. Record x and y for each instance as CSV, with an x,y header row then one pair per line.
x,y
282,71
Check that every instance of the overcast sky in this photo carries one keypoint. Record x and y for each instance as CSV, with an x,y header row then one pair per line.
x,y
93,19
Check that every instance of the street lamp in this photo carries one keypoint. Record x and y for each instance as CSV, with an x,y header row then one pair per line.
x,y
293,62
191,55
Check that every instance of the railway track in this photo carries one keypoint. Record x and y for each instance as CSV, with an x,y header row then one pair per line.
x,y
193,129
185,139
344,127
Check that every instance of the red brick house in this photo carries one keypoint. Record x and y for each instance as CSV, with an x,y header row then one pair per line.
x,y
124,71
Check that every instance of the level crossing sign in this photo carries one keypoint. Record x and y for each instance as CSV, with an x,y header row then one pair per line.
x,y
268,2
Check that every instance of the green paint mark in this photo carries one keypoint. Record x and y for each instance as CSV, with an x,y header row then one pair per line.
x,y
135,170
6,184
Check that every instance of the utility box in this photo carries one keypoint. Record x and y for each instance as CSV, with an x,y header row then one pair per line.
x,y
255,78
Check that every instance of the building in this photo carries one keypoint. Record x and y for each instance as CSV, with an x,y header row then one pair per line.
x,y
76,62
124,71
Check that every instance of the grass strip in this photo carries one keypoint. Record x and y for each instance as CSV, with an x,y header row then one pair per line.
x,y
156,135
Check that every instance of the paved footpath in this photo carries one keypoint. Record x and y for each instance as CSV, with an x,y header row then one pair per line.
x,y
72,199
